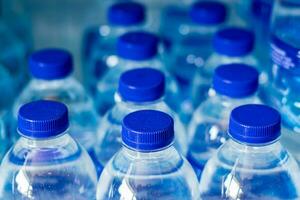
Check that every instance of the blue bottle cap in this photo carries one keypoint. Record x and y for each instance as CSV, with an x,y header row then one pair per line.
x,y
142,85
233,41
208,12
126,14
235,80
254,124
51,64
137,46
147,130
42,119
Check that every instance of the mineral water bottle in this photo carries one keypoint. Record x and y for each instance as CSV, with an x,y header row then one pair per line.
x,y
134,50
148,166
252,164
283,88
51,79
233,85
231,45
99,43
193,47
46,162
139,89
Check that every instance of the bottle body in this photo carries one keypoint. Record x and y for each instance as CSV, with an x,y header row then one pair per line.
x,y
109,132
99,52
239,171
282,91
162,174
107,86
207,130
83,117
51,168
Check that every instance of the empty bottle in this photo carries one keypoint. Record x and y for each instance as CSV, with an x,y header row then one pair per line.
x,y
148,166
139,89
231,45
134,49
99,43
51,71
252,164
193,47
46,163
283,89
233,85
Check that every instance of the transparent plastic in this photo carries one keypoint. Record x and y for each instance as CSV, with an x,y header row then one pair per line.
x,y
189,55
203,77
240,171
52,168
83,116
282,91
107,86
163,174
99,52
207,130
109,132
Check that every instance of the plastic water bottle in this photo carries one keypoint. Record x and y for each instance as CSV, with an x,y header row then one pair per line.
x,y
233,85
12,61
99,43
139,89
252,164
231,45
51,71
46,163
193,46
134,50
282,91
148,166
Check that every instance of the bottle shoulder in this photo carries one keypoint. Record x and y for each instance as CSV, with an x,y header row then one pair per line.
x,y
44,152
68,91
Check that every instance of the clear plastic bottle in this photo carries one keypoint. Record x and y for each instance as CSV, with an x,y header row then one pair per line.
x,y
148,166
193,46
252,164
99,43
139,89
231,45
233,85
282,91
134,50
51,71
46,163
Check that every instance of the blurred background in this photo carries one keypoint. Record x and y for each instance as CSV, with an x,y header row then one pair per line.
x,y
62,23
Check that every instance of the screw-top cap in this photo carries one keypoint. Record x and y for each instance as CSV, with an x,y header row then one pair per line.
x,y
126,14
208,12
42,119
235,80
233,41
254,124
51,64
147,130
142,85
137,45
